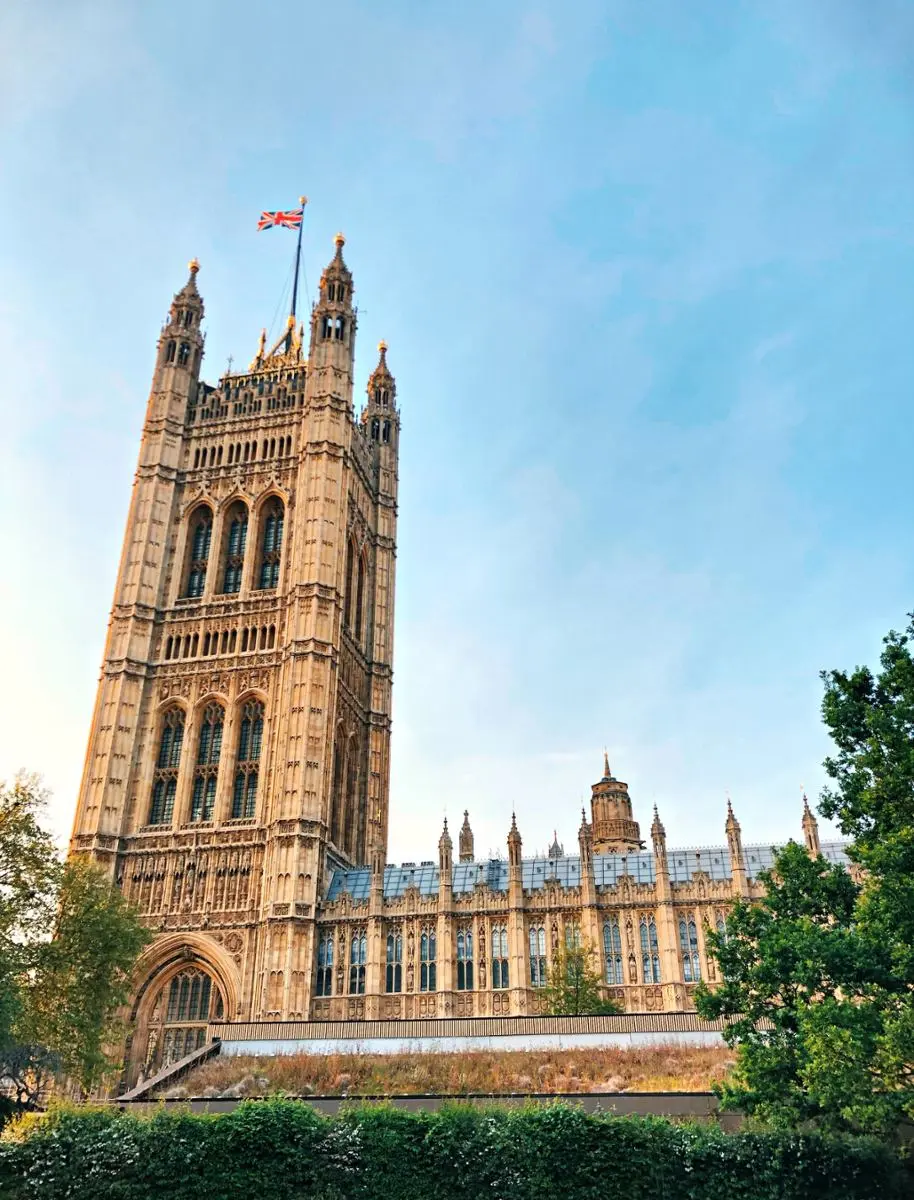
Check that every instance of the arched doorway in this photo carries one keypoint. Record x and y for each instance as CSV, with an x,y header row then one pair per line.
x,y
181,1010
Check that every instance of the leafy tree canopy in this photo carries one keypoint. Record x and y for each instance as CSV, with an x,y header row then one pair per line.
x,y
818,978
68,942
574,986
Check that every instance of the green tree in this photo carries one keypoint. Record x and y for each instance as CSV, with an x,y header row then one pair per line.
x,y
826,964
574,985
68,941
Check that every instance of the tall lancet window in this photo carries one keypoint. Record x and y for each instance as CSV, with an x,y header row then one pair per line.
x,y
201,535
271,543
325,965
209,748
688,947
359,599
465,960
499,956
427,960
612,950
165,780
247,767
235,540
393,981
650,951
537,956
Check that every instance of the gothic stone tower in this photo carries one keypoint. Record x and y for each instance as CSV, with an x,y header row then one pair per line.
x,y
239,747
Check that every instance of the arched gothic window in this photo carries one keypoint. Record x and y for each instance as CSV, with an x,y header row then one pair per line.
x,y
612,949
183,354
247,765
170,352
347,585
209,748
359,599
182,1010
573,935
537,956
427,965
499,956
235,539
393,980
464,960
688,948
324,985
721,927
271,543
201,535
357,960
650,950
165,779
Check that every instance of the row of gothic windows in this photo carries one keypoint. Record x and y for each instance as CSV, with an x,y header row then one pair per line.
x,y
333,328
179,353
242,452
234,544
223,641
380,430
336,291
612,950
206,765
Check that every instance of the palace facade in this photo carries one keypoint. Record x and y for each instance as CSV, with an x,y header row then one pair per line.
x,y
236,782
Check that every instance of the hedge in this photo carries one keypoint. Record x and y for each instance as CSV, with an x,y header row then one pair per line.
x,y
284,1150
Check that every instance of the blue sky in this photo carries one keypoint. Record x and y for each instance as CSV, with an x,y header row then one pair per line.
x,y
647,276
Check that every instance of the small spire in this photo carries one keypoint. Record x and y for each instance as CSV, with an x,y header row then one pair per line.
x,y
606,772
732,822
657,830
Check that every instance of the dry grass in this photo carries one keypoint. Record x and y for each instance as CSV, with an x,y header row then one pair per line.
x,y
657,1068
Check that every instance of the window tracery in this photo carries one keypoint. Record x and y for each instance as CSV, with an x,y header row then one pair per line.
x,y
247,765
612,950
209,749
168,762
499,957
272,520
428,954
393,979
537,956
201,534
650,950
465,959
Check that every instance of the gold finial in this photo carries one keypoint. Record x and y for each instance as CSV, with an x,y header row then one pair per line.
x,y
339,240
382,346
194,266
303,200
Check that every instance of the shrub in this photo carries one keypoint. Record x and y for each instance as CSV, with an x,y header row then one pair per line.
x,y
284,1149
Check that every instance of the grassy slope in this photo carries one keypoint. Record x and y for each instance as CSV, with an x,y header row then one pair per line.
x,y
639,1069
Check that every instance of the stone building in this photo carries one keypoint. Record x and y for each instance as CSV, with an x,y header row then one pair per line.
x,y
236,776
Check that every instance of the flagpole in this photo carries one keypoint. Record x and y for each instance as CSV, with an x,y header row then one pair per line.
x,y
303,200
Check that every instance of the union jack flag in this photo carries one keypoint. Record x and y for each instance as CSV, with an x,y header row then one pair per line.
x,y
286,220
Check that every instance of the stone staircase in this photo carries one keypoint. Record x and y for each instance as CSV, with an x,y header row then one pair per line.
x,y
173,1072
